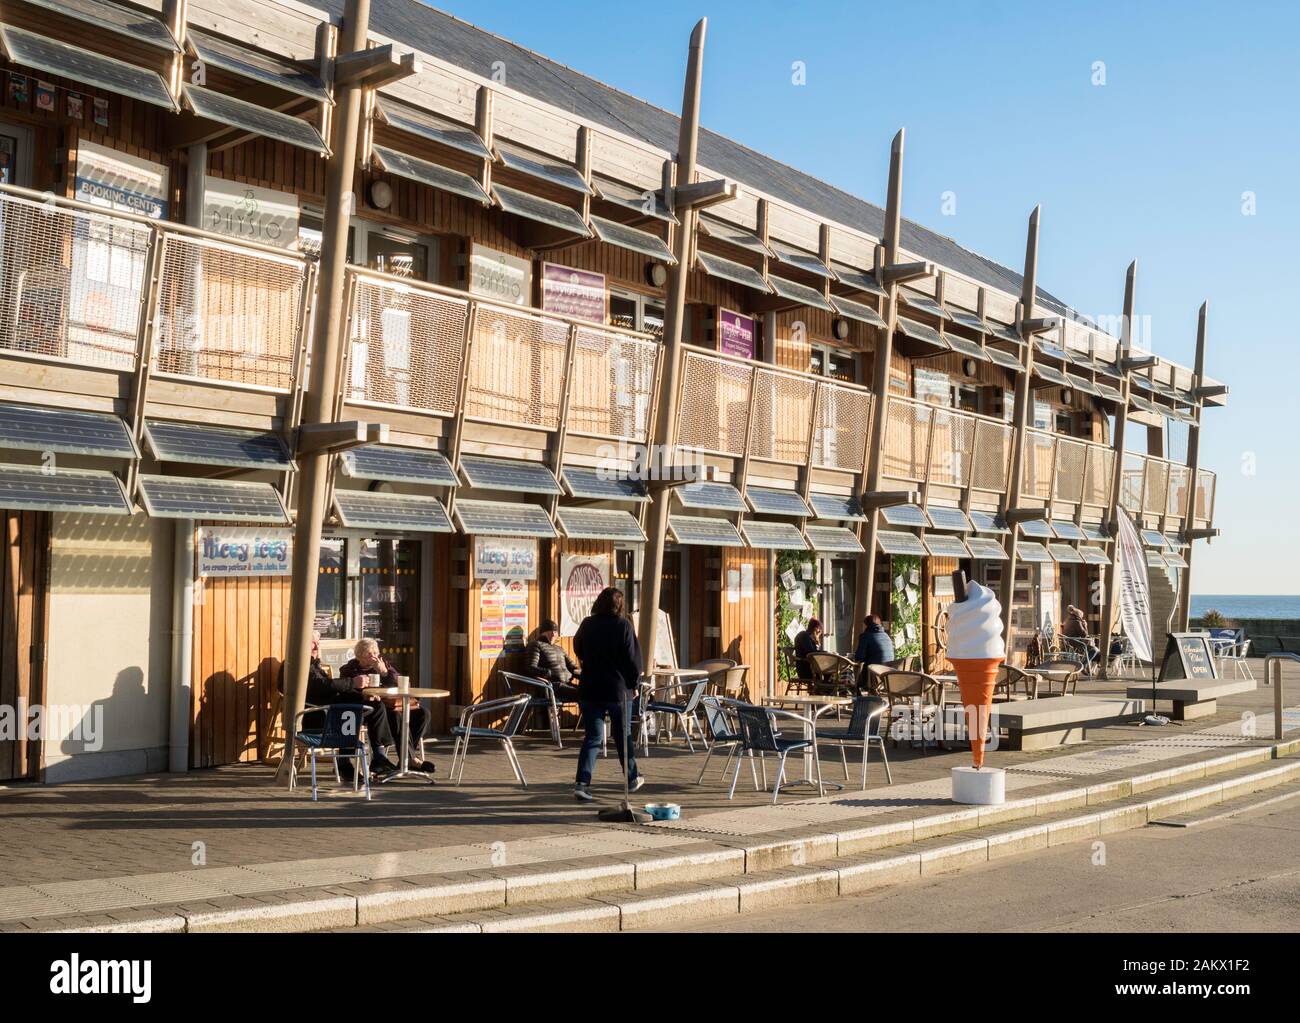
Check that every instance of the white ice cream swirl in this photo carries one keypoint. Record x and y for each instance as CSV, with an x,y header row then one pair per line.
x,y
975,625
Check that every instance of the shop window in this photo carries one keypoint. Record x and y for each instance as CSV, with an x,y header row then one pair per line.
x,y
933,386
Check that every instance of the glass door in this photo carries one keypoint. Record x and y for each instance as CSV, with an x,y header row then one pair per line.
x,y
370,587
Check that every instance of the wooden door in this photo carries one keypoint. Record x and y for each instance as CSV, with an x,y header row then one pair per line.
x,y
23,612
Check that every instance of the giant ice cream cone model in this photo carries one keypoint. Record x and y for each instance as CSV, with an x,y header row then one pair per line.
x,y
976,650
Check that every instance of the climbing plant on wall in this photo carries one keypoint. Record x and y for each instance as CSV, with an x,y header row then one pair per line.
x,y
786,612
901,613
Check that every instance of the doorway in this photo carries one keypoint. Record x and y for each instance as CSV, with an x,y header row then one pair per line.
x,y
370,587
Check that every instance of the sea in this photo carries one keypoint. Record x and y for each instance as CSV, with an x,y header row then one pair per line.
x,y
1238,605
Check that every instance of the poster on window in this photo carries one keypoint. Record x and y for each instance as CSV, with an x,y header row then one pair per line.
x,y
582,577
735,334
579,294
514,616
491,618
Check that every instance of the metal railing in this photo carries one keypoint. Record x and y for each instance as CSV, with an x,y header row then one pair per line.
x,y
945,446
1067,470
1155,486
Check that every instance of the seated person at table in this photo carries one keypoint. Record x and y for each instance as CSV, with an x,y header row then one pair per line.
x,y
323,690
874,644
1076,627
809,641
368,661
546,660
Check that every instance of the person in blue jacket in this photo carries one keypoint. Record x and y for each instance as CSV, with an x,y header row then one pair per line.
x,y
874,644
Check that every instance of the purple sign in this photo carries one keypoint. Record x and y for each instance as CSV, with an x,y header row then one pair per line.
x,y
576,293
735,334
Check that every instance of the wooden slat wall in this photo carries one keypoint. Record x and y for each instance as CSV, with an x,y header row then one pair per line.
x,y
746,628
479,678
24,594
932,606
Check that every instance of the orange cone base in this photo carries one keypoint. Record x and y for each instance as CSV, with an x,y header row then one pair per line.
x,y
976,677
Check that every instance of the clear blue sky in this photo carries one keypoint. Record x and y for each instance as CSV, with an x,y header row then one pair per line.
x,y
1198,107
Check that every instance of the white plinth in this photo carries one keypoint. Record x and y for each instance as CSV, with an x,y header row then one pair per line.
x,y
985,787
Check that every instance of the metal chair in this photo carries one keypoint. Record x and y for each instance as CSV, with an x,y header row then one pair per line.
x,y
1075,648
759,734
541,696
1011,677
684,712
1125,661
338,738
1236,656
921,694
515,708
863,727
724,732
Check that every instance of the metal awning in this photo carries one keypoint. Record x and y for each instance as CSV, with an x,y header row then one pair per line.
x,y
968,320
542,211
426,172
770,501
1175,559
801,293
952,519
515,475
644,243
720,230
912,515
1007,360
737,273
1053,376
1064,554
85,66
183,497
1080,384
65,431
988,522
837,506
535,165
710,496
31,488
503,518
804,261
773,536
238,113
1175,540
415,121
1093,555
1067,530
1004,332
1155,559
392,464
851,310
600,485
1093,531
894,542
1142,405
1033,553
920,332
199,444
925,304
941,545
600,524
859,280
983,549
693,531
1154,538
111,17
264,68
390,513
1038,528
965,346
1179,416
648,202
833,540
1107,392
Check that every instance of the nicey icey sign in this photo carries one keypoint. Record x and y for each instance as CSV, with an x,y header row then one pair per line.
x,y
227,552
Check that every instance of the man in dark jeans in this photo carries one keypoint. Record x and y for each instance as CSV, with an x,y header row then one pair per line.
x,y
368,661
611,667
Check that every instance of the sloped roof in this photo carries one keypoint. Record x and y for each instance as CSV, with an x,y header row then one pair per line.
x,y
475,50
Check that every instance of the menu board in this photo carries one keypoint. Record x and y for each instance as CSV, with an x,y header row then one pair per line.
x,y
1188,655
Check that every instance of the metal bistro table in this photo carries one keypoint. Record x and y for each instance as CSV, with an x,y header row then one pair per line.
x,y
816,706
404,745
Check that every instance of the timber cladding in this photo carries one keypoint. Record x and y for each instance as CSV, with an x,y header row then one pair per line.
x,y
24,602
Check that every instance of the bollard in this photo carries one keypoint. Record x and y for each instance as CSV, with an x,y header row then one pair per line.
x,y
1269,662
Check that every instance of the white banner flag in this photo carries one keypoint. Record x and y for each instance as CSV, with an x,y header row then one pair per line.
x,y
1134,589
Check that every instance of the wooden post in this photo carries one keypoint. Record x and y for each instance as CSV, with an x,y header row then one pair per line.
x,y
863,590
1193,467
1022,416
323,386
664,436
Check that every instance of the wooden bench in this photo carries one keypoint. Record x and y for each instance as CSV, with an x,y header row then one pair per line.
x,y
1060,720
1192,699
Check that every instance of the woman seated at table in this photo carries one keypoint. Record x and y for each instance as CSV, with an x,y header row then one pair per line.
x,y
809,641
368,661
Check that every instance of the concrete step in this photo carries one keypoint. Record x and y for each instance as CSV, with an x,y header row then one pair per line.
x,y
680,902
1229,808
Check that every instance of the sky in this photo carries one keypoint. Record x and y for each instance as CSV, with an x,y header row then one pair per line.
x,y
1161,132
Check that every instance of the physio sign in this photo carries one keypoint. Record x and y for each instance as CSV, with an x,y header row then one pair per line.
x,y
227,552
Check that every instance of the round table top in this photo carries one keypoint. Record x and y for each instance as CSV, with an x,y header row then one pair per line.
x,y
810,699
419,694
680,672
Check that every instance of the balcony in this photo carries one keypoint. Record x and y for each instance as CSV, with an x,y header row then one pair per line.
x,y
1065,471
927,443
1156,487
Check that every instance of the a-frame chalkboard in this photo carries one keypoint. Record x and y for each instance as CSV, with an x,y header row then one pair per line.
x,y
1188,655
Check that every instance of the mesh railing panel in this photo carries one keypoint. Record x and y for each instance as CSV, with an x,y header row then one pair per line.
x,y
1071,457
1097,474
1039,448
227,314
950,449
782,417
907,426
613,385
407,347
713,411
1130,492
1157,495
843,423
1178,480
992,456
516,371
70,283
1205,484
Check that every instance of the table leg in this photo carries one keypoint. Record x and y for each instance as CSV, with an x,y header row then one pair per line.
x,y
404,738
